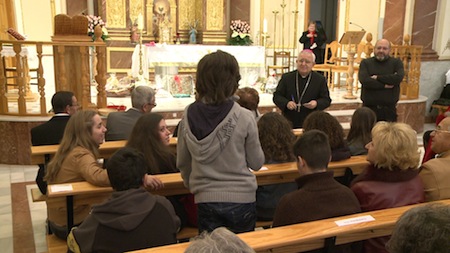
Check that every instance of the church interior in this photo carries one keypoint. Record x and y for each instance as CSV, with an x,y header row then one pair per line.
x,y
100,50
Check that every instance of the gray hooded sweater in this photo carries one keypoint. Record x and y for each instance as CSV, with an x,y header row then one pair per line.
x,y
216,167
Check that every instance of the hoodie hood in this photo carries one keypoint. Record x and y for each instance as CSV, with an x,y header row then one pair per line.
x,y
206,150
119,214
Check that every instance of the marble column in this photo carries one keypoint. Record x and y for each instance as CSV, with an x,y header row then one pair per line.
x,y
394,20
423,27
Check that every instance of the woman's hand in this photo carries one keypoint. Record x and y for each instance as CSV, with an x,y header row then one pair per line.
x,y
152,182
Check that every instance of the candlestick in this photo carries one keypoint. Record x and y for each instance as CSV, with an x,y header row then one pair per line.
x,y
140,21
265,26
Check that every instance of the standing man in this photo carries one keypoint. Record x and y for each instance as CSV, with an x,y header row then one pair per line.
x,y
120,124
380,77
302,91
64,105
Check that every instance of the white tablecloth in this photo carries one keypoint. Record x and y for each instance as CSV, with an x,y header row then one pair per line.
x,y
28,52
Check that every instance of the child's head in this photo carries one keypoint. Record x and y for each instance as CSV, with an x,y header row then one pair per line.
x,y
217,77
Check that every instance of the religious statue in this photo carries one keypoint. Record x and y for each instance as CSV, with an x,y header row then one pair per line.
x,y
193,36
193,32
165,31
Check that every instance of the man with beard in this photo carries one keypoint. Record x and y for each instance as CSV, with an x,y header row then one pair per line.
x,y
380,77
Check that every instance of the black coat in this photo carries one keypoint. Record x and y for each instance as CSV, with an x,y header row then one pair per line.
x,y
49,133
286,90
319,40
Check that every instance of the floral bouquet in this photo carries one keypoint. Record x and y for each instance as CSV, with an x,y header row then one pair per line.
x,y
93,22
240,33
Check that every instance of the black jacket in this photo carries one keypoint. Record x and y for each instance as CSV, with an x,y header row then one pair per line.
x,y
389,72
286,90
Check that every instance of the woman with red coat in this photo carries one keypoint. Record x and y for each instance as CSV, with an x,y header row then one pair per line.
x,y
312,39
391,179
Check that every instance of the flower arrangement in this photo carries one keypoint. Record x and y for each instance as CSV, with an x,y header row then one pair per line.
x,y
95,21
240,33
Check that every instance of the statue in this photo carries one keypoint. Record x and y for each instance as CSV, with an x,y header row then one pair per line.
x,y
165,31
193,32
193,36
161,10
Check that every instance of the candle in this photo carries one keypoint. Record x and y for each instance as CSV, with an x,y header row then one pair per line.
x,y
140,22
265,26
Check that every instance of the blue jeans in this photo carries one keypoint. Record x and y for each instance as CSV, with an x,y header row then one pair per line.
x,y
237,217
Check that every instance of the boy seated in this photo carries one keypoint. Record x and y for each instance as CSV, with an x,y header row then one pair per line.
x,y
132,218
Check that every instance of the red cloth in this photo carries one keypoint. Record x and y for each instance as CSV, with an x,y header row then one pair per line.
x,y
311,40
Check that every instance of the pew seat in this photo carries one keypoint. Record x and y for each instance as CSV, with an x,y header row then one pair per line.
x,y
37,196
315,234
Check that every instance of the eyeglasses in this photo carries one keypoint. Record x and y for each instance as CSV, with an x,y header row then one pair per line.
x,y
440,130
152,104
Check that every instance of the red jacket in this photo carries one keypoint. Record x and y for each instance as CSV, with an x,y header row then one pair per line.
x,y
379,188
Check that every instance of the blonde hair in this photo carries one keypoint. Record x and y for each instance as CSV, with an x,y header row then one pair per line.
x,y
396,145
78,132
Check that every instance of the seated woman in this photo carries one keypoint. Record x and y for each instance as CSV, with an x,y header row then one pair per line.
x,y
392,178
276,137
151,136
363,120
249,98
76,161
325,122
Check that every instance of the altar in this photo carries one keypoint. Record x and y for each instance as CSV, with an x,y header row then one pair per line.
x,y
168,60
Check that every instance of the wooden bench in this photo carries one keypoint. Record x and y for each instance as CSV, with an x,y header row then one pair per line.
x,y
37,196
313,235
86,193
43,154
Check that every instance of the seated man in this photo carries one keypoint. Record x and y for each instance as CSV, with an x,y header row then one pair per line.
x,y
422,229
120,124
64,104
435,173
132,218
319,196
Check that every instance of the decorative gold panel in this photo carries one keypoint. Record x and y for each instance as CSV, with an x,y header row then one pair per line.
x,y
215,17
186,13
136,8
116,14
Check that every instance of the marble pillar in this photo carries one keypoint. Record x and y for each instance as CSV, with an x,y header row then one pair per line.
x,y
423,27
394,20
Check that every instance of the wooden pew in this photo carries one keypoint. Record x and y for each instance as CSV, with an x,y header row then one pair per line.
x,y
106,150
86,193
43,154
312,235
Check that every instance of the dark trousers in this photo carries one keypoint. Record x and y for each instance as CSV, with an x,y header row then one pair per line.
x,y
237,217
384,112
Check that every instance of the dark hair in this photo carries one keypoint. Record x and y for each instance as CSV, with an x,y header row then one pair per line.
x,y
314,148
422,229
126,169
276,137
363,120
217,77
248,98
145,138
60,100
327,123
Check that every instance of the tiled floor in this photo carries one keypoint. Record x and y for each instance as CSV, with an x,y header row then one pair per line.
x,y
15,180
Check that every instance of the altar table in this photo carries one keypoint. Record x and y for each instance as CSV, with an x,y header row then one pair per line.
x,y
167,59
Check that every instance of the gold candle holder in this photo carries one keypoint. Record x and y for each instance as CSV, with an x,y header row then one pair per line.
x,y
141,71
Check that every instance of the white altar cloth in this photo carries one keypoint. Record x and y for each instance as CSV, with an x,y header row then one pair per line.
x,y
166,59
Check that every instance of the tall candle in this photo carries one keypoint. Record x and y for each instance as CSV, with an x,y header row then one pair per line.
x,y
140,22
265,26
